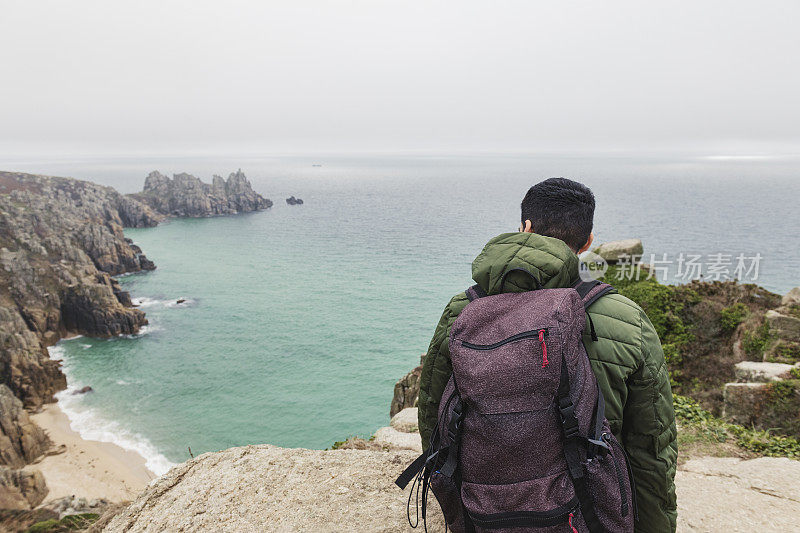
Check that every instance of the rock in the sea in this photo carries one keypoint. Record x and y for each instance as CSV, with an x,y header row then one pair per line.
x,y
294,201
615,251
186,196
265,488
21,489
21,441
406,390
83,390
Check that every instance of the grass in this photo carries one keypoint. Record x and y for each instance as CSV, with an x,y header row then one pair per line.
x,y
702,433
74,522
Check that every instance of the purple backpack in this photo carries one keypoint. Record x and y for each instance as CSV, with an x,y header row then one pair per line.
x,y
522,442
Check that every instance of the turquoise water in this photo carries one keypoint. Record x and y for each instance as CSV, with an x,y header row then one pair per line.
x,y
298,320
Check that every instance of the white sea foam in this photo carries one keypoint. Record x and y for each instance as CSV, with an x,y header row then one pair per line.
x,y
144,301
86,346
92,425
144,330
186,302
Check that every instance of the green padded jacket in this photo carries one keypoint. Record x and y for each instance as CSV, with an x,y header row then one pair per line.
x,y
627,360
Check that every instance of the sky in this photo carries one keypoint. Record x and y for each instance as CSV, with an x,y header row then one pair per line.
x,y
719,77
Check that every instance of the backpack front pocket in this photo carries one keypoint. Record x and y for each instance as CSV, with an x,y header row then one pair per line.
x,y
542,502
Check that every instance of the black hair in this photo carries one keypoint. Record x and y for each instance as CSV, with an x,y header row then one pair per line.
x,y
560,208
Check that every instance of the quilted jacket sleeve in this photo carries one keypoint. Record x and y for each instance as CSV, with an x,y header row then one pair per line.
x,y
436,369
649,436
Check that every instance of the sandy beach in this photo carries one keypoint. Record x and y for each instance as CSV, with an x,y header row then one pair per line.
x,y
87,468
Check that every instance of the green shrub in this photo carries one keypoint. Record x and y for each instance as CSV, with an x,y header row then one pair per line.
x,y
754,343
731,317
690,414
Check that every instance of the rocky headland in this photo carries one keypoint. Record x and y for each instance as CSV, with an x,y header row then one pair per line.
x,y
184,195
61,245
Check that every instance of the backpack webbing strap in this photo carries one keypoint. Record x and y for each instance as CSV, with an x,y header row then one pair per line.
x,y
454,436
572,443
412,470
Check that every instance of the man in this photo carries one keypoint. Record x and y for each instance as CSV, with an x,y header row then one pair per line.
x,y
557,218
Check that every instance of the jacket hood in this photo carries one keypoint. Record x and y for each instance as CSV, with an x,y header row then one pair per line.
x,y
553,263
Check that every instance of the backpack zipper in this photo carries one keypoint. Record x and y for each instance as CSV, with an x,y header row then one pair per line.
x,y
534,333
536,519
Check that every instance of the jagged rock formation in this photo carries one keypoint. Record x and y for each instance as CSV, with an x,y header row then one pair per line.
x,y
61,241
21,441
186,196
406,390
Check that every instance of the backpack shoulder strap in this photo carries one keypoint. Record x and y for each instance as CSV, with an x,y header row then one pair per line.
x,y
475,292
591,291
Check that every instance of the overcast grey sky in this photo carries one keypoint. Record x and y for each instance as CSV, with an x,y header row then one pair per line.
x,y
255,75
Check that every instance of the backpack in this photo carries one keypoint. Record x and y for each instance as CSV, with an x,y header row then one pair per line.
x,y
522,442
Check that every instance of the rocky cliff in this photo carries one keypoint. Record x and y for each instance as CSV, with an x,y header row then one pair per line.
x,y
61,241
186,196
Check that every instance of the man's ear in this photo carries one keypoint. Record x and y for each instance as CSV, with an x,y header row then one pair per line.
x,y
526,228
587,245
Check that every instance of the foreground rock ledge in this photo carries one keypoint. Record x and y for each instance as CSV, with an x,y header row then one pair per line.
x,y
266,488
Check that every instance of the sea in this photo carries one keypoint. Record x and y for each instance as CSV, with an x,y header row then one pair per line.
x,y
294,323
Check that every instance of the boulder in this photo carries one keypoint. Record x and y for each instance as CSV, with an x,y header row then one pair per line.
x,y
259,488
614,251
783,326
21,489
756,371
774,406
741,401
406,420
393,439
791,298
21,440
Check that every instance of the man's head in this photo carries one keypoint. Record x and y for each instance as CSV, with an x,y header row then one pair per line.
x,y
560,208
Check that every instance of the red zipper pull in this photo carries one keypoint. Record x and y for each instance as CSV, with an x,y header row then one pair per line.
x,y
545,362
571,516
